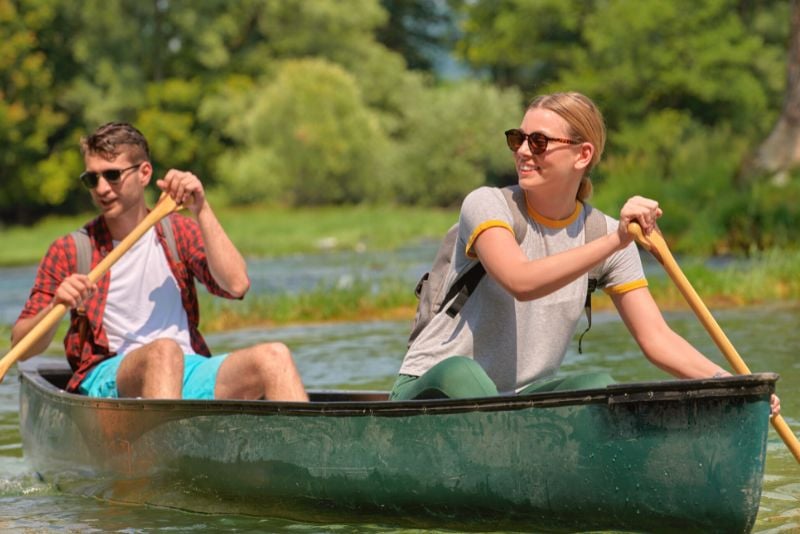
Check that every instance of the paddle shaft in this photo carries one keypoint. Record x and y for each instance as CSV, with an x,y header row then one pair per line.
x,y
656,245
164,207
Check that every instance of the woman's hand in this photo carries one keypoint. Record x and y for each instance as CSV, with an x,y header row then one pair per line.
x,y
638,209
774,401
774,405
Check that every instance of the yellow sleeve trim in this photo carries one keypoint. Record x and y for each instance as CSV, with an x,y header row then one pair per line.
x,y
482,228
624,288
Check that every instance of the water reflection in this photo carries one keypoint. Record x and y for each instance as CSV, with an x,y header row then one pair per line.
x,y
334,356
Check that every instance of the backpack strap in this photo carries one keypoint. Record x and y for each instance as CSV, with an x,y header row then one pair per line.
x,y
169,237
465,285
83,264
83,257
594,227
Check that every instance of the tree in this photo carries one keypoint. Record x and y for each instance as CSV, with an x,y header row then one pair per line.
x,y
308,138
780,151
453,142
30,119
418,30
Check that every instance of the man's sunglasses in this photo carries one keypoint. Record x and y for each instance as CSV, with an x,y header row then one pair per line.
x,y
537,141
112,176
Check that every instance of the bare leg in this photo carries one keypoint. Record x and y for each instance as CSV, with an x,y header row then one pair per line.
x,y
265,370
153,371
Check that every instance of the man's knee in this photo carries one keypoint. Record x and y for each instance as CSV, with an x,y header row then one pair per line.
x,y
165,346
161,353
274,353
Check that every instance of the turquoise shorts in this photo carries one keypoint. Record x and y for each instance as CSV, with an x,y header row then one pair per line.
x,y
199,377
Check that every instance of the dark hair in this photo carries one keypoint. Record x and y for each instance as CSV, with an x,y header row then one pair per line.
x,y
112,138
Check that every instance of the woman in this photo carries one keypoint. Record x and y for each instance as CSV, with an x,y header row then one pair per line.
x,y
512,334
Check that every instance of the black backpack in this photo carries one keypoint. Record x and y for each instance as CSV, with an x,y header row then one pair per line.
x,y
431,290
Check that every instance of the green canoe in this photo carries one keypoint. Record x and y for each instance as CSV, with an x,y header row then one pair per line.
x,y
678,455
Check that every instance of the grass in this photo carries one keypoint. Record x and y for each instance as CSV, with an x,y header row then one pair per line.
x,y
262,231
361,301
768,278
24,245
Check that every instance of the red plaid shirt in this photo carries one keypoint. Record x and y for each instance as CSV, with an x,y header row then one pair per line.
x,y
60,261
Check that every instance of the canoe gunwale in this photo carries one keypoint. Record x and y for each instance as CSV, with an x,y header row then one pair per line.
x,y
755,385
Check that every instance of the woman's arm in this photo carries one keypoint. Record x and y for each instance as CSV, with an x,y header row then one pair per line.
x,y
527,279
530,279
661,345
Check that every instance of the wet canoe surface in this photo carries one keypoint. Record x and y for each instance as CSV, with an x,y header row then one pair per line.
x,y
678,455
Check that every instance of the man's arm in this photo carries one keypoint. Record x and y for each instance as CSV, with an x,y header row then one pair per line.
x,y
225,262
74,290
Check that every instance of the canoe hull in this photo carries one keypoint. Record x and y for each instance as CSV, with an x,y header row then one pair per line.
x,y
653,456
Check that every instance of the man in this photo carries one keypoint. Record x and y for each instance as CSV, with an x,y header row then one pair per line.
x,y
135,333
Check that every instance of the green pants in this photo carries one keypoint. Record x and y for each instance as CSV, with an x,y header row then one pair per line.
x,y
460,377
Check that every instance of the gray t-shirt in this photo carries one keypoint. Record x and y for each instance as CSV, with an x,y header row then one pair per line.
x,y
516,342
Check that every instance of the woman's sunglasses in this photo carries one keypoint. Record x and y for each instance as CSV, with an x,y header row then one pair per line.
x,y
112,176
537,141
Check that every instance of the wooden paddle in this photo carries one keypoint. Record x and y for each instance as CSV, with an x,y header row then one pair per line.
x,y
656,245
164,207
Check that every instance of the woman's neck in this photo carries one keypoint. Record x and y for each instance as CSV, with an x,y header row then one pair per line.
x,y
551,206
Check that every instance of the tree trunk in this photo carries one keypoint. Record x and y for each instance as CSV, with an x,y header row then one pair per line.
x,y
780,152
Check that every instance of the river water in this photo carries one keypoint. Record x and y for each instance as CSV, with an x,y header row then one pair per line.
x,y
366,355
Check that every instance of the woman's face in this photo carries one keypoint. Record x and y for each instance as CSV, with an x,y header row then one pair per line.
x,y
558,167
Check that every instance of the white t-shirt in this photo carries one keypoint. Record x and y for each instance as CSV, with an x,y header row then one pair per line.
x,y
516,342
144,299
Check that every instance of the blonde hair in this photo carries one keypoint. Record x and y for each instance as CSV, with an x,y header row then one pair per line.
x,y
585,124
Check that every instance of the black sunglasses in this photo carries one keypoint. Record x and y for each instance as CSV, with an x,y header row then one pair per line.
x,y
112,176
537,141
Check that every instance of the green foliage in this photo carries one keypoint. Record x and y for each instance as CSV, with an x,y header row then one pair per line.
x,y
309,136
696,56
29,115
683,86
453,139
169,121
766,216
523,42
310,102
686,167
417,29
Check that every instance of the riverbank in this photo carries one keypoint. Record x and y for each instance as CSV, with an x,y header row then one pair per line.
x,y
275,232
770,277
261,231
